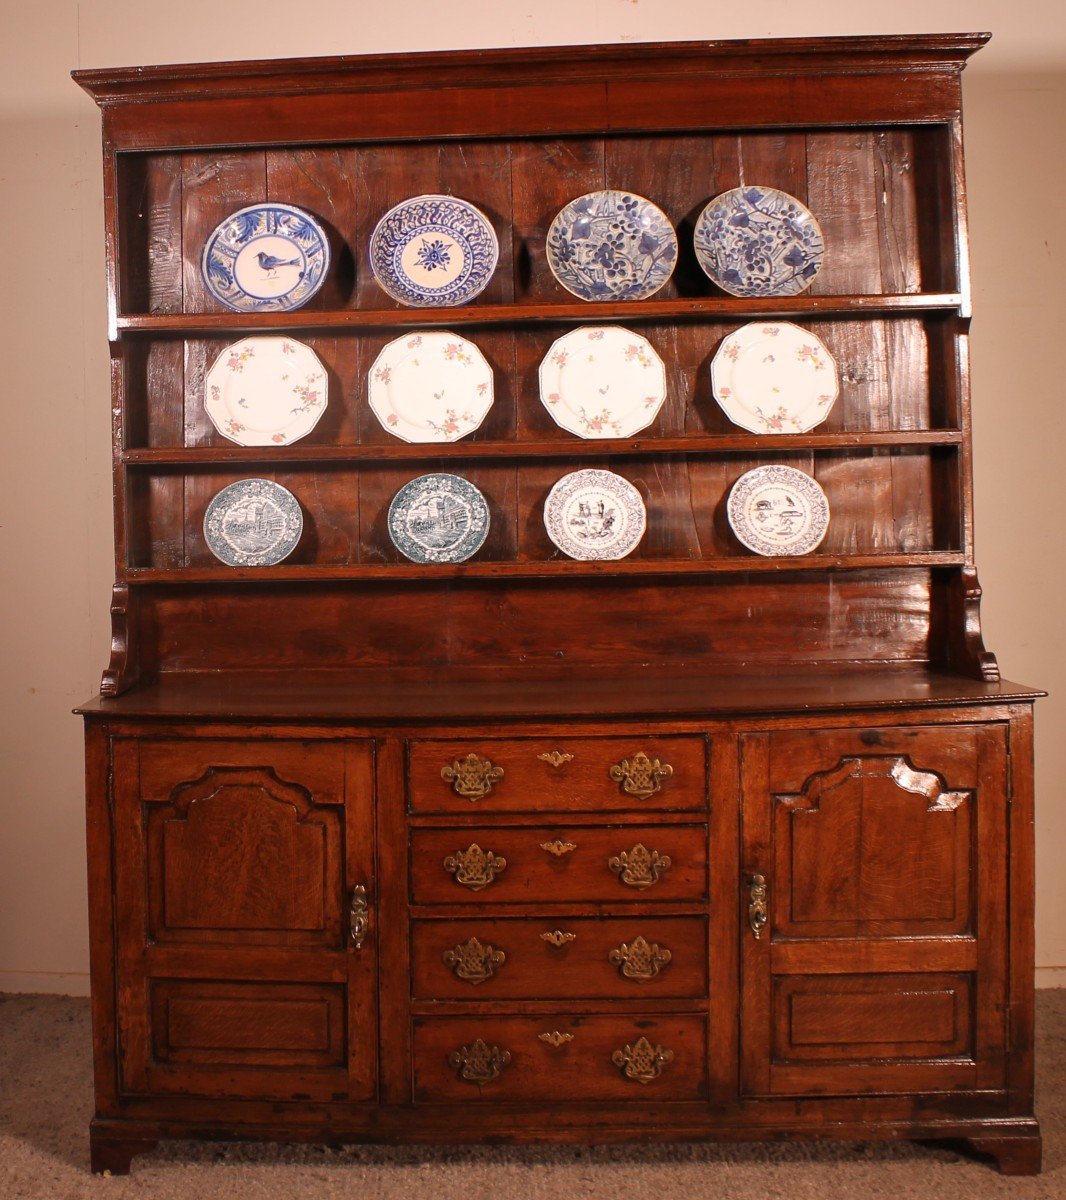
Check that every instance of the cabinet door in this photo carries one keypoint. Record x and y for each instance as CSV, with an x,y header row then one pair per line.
x,y
237,865
874,941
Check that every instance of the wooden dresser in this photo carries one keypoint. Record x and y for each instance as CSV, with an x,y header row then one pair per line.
x,y
696,844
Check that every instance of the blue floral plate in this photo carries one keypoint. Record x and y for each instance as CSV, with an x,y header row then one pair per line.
x,y
612,246
433,251
266,258
253,523
758,241
438,518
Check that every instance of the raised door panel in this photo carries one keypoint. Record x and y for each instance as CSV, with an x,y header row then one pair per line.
x,y
873,941
238,971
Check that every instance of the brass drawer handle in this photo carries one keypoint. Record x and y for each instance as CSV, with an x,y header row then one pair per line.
x,y
555,1038
474,868
758,915
358,916
640,867
479,1063
558,847
473,962
555,758
642,1062
557,937
640,960
640,775
472,776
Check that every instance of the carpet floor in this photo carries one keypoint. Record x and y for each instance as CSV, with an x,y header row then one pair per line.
x,y
46,1101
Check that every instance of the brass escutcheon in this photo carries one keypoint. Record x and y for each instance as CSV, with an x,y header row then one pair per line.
x,y
555,758
640,867
472,776
474,868
642,1062
757,910
555,1038
474,962
557,937
479,1063
640,959
558,847
358,916
640,775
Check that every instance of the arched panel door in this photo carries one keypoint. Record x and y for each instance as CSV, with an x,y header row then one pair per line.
x,y
242,865
871,961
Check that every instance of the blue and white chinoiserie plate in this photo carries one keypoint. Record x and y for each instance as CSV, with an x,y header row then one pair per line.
x,y
759,241
433,250
776,510
438,518
266,391
594,514
611,245
253,523
266,258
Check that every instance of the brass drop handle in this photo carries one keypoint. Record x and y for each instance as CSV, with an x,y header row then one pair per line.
x,y
358,916
757,912
640,775
473,867
479,1062
472,777
642,1062
640,867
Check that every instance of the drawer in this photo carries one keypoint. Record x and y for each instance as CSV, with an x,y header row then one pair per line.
x,y
546,864
560,1057
610,774
521,958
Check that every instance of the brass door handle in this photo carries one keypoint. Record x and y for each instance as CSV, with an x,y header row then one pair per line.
x,y
358,916
757,909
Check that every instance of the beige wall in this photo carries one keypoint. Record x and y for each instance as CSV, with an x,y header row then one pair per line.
x,y
55,542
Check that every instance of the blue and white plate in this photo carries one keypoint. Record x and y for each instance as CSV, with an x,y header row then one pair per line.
x,y
253,523
778,510
438,518
433,250
759,241
266,258
612,246
593,514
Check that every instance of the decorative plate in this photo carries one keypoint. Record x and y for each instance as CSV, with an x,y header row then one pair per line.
x,y
438,518
253,523
774,377
602,381
265,391
758,241
611,246
266,258
430,387
433,250
595,515
778,510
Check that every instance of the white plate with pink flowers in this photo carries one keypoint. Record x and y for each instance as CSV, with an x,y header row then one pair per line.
x,y
774,377
430,387
602,381
265,391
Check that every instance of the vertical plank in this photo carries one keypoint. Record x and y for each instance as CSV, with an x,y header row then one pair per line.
x,y
724,933
214,184
393,940
1021,899
756,857
990,870
360,869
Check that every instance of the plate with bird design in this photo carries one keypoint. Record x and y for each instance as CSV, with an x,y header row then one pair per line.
x,y
431,386
265,391
266,258
433,250
777,510
595,515
602,381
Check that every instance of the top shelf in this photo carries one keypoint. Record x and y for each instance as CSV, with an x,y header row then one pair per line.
x,y
701,308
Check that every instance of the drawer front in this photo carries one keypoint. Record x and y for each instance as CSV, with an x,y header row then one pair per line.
x,y
544,864
558,774
518,958
559,1057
